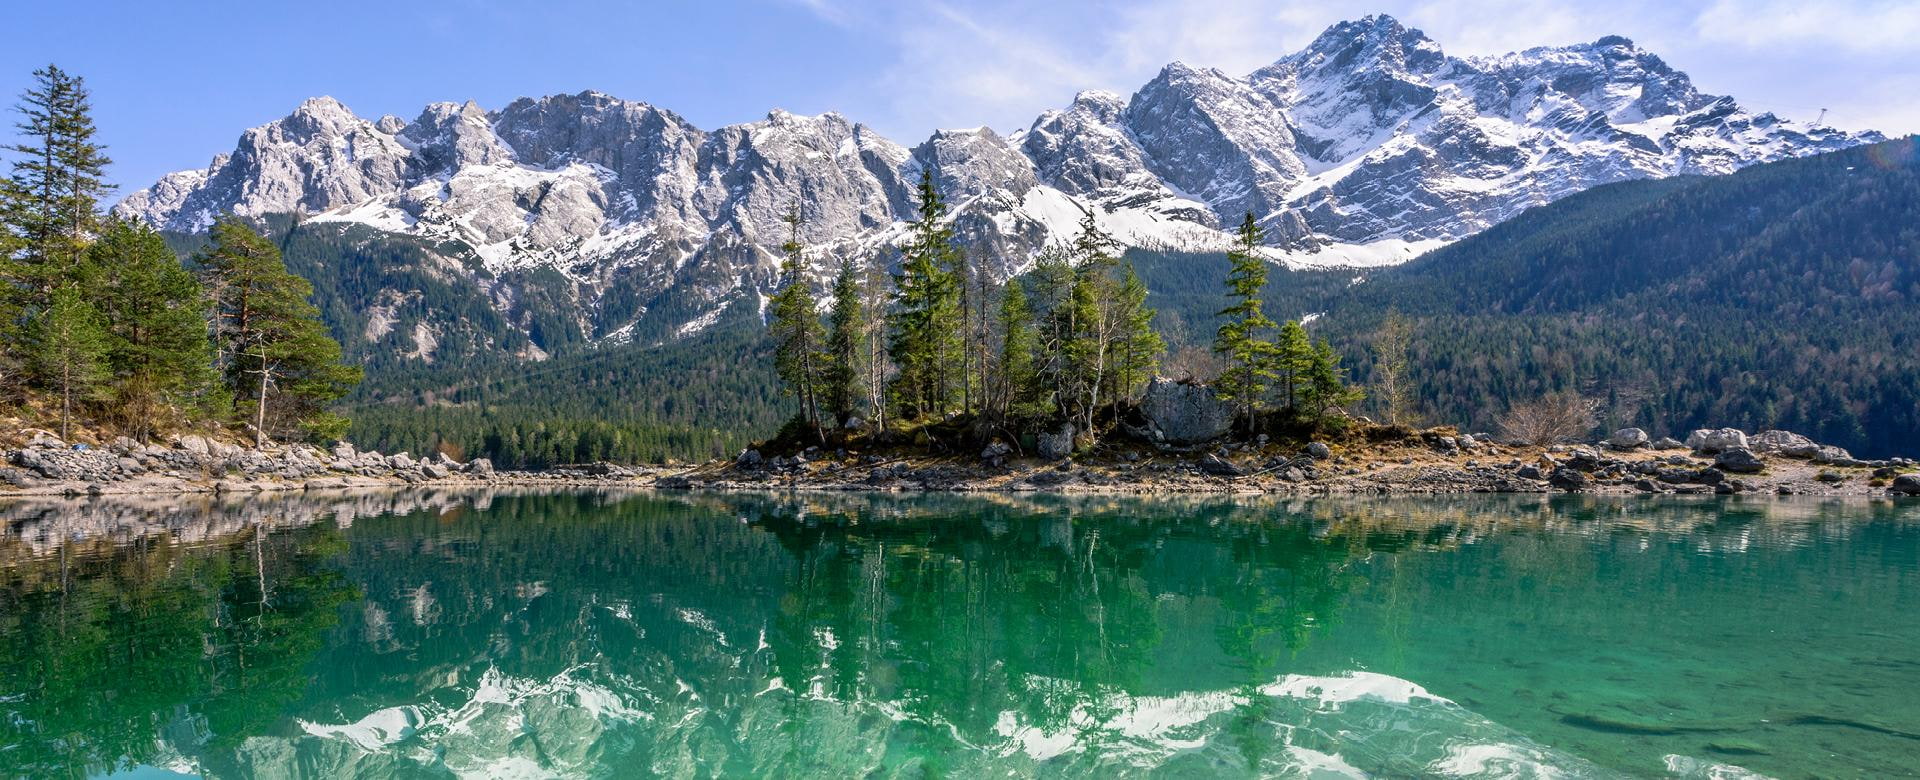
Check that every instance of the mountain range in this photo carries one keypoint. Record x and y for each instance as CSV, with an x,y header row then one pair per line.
x,y
569,220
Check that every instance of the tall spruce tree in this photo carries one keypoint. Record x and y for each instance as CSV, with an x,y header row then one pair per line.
x,y
846,339
1051,301
1137,347
1292,360
70,350
926,337
1020,395
281,365
1323,384
1241,339
156,313
58,179
795,324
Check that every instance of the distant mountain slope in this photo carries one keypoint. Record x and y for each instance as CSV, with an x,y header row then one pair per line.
x,y
1784,295
1365,148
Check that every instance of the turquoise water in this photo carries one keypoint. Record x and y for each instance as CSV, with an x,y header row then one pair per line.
x,y
439,635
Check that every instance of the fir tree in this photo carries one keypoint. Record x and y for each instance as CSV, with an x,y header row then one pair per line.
x,y
1292,359
70,350
1137,347
58,180
156,314
796,330
1020,395
1240,339
1323,384
281,365
846,337
926,337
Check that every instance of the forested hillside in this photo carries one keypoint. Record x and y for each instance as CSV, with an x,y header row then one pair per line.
x,y
1786,295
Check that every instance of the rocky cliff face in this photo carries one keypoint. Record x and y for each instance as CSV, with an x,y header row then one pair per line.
x,y
1368,147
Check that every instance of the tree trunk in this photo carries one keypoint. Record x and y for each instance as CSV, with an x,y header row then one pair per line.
x,y
260,414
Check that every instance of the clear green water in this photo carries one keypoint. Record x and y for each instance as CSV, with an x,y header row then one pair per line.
x,y
856,636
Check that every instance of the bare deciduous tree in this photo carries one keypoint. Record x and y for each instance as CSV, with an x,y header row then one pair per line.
x,y
1556,418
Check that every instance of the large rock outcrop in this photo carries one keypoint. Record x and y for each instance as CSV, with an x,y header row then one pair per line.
x,y
1184,412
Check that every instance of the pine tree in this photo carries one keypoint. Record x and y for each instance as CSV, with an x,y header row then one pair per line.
x,y
846,336
281,365
1323,385
70,350
1051,301
1390,345
926,337
1137,347
1240,339
1021,395
156,314
1292,359
795,325
58,181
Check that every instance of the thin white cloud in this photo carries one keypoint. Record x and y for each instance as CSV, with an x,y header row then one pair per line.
x,y
1858,26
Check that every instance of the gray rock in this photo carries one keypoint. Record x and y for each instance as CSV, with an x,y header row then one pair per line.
x,y
196,445
995,451
480,467
1319,450
1784,443
1739,460
749,459
1529,471
1055,445
435,470
1832,455
1220,467
1669,443
1710,441
1569,480
1905,485
1184,413
1628,439
401,462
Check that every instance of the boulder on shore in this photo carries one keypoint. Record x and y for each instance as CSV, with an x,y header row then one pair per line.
x,y
1905,485
1739,460
1710,441
1784,443
1184,413
1628,439
1056,445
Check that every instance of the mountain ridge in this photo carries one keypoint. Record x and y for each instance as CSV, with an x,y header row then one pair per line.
x,y
1367,147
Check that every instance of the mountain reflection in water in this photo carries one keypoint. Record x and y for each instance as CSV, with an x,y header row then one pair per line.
x,y
529,633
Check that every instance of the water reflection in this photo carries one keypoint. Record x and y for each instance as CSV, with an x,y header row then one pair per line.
x,y
486,634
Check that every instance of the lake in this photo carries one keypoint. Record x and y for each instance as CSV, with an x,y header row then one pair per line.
x,y
526,634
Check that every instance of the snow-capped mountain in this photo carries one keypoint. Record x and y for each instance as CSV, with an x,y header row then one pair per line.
x,y
1366,148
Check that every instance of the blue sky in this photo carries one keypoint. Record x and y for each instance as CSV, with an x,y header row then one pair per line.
x,y
175,83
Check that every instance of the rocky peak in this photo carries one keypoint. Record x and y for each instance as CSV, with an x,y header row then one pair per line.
x,y
975,162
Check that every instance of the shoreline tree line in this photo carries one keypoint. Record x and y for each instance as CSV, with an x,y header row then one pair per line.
x,y
100,322
941,347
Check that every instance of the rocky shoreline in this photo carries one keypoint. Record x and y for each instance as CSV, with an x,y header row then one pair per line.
x,y
1440,461
45,465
